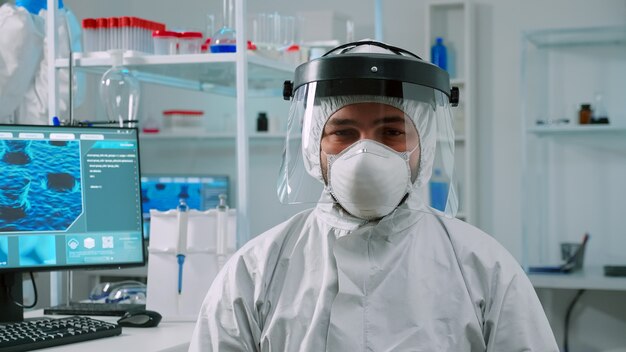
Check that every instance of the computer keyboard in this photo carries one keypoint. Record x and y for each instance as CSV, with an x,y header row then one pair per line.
x,y
48,332
89,308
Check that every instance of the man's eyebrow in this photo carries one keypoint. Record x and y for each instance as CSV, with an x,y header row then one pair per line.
x,y
342,122
389,119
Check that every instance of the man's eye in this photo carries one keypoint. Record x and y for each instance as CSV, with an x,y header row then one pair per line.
x,y
393,132
343,133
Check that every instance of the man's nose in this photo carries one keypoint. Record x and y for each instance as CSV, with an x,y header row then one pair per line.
x,y
368,135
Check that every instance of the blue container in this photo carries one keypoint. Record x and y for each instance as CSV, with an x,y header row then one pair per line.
x,y
438,191
224,48
439,54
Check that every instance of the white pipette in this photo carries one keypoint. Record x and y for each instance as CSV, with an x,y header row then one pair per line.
x,y
181,249
222,231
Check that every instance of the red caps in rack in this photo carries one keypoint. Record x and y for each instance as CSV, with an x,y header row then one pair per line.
x,y
125,21
90,23
114,22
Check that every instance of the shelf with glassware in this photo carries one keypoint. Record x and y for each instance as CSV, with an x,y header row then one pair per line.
x,y
210,136
604,137
453,21
211,73
573,170
226,74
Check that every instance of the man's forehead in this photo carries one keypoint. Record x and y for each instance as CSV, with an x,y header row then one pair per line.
x,y
369,111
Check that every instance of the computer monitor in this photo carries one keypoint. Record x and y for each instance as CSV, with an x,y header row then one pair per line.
x,y
69,198
164,192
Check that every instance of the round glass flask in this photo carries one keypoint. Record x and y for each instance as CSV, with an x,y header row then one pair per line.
x,y
119,92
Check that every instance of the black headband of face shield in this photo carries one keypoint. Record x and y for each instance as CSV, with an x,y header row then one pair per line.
x,y
346,67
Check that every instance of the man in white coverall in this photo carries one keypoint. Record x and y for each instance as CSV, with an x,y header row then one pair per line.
x,y
372,267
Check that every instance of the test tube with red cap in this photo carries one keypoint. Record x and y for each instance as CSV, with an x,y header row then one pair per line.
x,y
125,33
90,34
102,29
114,27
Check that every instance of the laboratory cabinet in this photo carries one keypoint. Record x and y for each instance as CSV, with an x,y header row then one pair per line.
x,y
453,21
573,181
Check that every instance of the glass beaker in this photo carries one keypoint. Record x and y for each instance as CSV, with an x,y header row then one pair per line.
x,y
224,40
119,91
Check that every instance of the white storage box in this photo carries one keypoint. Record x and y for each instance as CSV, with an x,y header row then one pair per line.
x,y
189,42
183,120
165,42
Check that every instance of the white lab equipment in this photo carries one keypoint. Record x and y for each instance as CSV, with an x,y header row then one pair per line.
x,y
222,231
189,42
176,288
165,42
126,33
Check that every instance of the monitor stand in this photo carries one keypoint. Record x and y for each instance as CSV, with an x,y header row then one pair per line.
x,y
10,286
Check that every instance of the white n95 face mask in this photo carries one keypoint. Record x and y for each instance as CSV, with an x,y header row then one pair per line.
x,y
369,179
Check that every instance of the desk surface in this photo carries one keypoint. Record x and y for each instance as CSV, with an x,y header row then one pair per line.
x,y
168,336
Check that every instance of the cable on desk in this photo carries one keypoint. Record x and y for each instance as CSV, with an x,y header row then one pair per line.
x,y
567,316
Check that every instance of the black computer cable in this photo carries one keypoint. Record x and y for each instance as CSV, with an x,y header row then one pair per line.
x,y
32,279
567,317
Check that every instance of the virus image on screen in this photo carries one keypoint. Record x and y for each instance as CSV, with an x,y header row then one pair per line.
x,y
40,187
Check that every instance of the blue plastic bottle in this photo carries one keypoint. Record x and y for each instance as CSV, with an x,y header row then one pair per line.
x,y
439,54
438,190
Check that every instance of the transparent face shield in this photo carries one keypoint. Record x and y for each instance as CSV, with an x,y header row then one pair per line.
x,y
384,145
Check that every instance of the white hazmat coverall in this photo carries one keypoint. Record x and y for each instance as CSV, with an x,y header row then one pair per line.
x,y
24,62
413,281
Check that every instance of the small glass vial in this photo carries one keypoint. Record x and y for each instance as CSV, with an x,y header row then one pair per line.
x,y
584,114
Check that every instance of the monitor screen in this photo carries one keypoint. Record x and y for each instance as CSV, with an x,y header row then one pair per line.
x,y
164,192
69,198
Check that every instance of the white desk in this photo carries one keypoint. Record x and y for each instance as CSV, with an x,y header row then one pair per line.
x,y
167,337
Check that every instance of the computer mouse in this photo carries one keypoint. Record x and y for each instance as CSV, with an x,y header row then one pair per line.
x,y
140,319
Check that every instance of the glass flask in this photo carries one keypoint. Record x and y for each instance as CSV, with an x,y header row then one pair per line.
x,y
224,40
119,91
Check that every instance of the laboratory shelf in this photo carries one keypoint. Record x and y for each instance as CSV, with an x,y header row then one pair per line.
x,y
557,130
606,137
555,38
212,73
209,136
590,278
